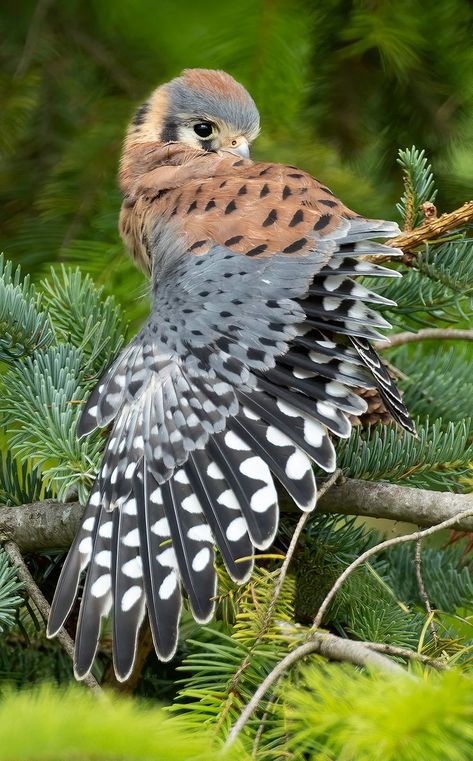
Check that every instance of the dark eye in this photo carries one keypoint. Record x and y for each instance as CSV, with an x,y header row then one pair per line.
x,y
203,129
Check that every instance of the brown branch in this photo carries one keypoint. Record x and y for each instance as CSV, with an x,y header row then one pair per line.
x,y
331,647
414,537
423,591
427,334
434,228
41,603
410,655
52,525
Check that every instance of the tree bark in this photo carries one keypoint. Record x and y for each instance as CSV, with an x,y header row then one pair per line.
x,y
52,525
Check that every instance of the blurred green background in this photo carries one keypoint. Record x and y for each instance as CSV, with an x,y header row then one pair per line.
x,y
340,84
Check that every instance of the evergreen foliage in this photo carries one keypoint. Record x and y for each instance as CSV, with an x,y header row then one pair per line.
x,y
341,715
309,67
10,600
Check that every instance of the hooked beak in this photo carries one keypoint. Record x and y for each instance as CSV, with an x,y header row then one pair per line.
x,y
242,150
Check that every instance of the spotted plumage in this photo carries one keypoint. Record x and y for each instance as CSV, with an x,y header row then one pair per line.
x,y
253,358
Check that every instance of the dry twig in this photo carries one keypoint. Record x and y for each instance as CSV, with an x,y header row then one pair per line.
x,y
427,334
52,525
434,228
423,591
373,551
331,647
42,604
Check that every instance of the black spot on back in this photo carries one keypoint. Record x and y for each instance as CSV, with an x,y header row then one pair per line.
x,y
326,202
296,175
230,207
192,207
211,204
264,190
257,250
323,222
243,191
286,192
297,218
197,244
296,246
271,218
232,241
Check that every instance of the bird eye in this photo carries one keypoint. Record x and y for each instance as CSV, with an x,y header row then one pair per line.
x,y
203,129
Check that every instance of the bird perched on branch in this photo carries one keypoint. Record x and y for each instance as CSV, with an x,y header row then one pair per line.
x,y
257,340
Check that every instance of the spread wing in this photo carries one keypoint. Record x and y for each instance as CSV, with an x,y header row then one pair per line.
x,y
248,364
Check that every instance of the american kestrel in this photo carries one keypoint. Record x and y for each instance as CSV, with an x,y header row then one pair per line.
x,y
248,365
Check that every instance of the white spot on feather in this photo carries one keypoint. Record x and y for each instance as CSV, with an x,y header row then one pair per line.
x,y
234,442
200,533
297,465
168,586
236,529
131,596
191,504
133,568
105,531
132,539
101,586
104,558
201,560
228,499
85,547
277,437
264,498
161,527
313,433
213,471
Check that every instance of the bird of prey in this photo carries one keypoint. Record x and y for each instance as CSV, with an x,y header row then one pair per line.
x,y
251,361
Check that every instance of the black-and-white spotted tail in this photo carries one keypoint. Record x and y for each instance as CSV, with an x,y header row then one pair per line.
x,y
245,370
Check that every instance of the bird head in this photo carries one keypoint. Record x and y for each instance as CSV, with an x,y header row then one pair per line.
x,y
204,109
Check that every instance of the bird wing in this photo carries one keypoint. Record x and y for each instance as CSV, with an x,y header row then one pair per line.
x,y
257,341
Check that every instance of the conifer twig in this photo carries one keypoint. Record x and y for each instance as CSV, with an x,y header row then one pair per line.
x,y
329,646
42,604
426,334
52,525
433,228
403,652
423,591
379,548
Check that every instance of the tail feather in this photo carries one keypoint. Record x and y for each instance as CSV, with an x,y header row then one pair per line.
x,y
77,561
192,543
160,571
127,589
223,513
291,466
97,596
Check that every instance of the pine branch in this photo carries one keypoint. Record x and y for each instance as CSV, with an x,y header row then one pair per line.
x,y
433,229
428,334
41,603
414,537
331,647
52,525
